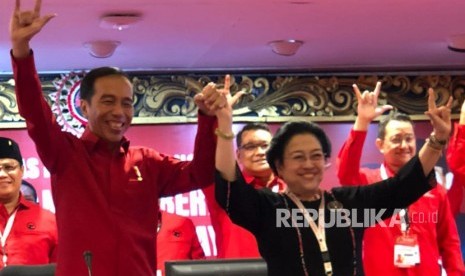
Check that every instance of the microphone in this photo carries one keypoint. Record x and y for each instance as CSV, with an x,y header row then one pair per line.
x,y
88,259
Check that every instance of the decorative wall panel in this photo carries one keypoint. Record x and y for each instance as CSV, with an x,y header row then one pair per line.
x,y
161,98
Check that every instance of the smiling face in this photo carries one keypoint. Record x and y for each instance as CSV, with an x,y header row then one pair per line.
x,y
251,153
303,165
11,174
398,145
110,110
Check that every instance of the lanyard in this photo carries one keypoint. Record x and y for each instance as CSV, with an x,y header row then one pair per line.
x,y
318,231
403,214
5,234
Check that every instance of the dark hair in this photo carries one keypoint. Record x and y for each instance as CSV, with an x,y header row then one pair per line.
x,y
285,134
392,116
86,90
26,186
250,126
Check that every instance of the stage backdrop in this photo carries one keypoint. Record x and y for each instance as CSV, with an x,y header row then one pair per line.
x,y
177,139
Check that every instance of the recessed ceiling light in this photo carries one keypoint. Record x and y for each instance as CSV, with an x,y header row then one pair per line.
x,y
286,47
102,48
300,2
119,21
457,43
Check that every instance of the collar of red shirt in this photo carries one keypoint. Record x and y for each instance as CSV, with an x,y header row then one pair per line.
x,y
22,204
389,172
91,141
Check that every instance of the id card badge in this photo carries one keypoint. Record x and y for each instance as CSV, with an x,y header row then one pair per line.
x,y
406,251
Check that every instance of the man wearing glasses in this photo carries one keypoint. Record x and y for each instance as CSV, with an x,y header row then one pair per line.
x,y
233,241
28,232
427,224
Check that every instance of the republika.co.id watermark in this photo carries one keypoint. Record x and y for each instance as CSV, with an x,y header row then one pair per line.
x,y
352,218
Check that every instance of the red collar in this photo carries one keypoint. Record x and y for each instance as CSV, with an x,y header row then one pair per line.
x,y
259,184
91,141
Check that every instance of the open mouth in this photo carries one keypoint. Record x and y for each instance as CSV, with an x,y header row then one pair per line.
x,y
117,126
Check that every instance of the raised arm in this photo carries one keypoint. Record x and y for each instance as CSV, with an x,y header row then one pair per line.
x,y
41,123
211,102
441,122
350,154
367,107
456,147
225,161
24,25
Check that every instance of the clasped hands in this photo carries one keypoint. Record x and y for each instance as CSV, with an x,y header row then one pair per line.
x,y
215,100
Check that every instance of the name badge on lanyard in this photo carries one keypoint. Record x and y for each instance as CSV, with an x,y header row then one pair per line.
x,y
406,251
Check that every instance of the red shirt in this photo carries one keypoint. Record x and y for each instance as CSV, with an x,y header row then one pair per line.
x,y
456,162
101,205
177,240
233,241
33,236
430,218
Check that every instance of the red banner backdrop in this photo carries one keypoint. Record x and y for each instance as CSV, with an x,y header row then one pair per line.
x,y
177,139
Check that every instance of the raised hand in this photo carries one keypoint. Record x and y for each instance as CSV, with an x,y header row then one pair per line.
x,y
439,116
204,99
24,25
367,108
219,102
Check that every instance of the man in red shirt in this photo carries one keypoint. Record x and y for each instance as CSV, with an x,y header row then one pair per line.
x,y
28,232
105,192
176,240
429,219
456,162
233,241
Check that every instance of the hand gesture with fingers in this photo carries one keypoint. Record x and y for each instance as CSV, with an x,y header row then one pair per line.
x,y
205,99
24,25
215,101
367,108
439,116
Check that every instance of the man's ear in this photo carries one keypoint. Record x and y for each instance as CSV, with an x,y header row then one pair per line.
x,y
379,144
84,108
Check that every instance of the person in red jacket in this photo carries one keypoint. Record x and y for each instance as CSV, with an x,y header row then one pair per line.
x,y
176,240
105,192
429,220
233,241
28,232
456,162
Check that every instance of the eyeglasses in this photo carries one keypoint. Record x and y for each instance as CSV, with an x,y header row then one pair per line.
x,y
8,168
253,147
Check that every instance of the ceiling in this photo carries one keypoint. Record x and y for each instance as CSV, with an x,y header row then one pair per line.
x,y
197,35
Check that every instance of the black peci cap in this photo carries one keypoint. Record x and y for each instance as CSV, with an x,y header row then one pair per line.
x,y
10,149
